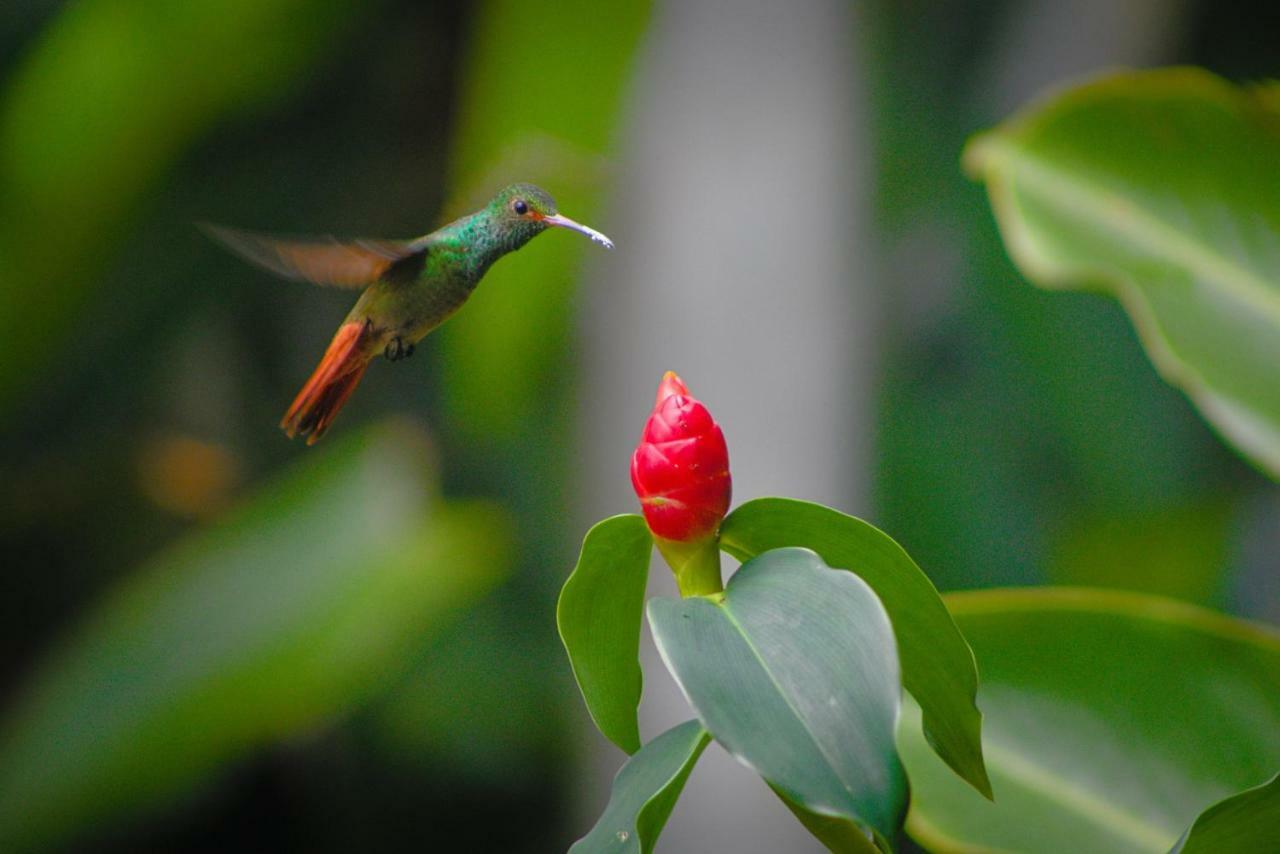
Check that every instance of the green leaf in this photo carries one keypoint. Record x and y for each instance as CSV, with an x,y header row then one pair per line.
x,y
840,836
644,793
1112,720
294,610
1249,821
599,616
794,670
479,700
937,664
1159,187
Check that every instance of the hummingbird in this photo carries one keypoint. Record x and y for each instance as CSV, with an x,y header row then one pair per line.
x,y
410,287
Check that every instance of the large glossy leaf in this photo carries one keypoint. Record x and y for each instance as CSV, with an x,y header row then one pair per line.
x,y
1160,187
1112,721
937,664
1249,821
599,616
794,670
644,793
296,608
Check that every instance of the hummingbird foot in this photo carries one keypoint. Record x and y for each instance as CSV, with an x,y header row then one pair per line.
x,y
397,349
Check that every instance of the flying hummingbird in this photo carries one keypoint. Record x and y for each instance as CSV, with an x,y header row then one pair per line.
x,y
410,287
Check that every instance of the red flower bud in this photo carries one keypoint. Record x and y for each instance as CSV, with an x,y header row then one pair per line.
x,y
680,469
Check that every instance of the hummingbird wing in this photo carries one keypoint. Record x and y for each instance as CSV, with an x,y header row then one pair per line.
x,y
321,260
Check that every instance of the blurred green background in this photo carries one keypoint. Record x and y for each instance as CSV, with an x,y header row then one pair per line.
x,y
213,639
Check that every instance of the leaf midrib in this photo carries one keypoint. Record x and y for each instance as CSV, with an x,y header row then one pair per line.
x,y
723,607
1144,835
1156,237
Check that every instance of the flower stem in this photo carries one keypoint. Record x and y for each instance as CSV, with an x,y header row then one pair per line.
x,y
696,565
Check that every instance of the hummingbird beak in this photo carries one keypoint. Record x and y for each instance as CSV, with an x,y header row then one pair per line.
x,y
562,221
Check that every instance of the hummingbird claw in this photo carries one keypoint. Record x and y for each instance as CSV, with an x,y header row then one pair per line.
x,y
397,349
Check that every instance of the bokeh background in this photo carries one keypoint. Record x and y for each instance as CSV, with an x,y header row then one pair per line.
x,y
795,237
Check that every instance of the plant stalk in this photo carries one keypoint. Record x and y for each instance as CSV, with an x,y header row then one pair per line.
x,y
696,565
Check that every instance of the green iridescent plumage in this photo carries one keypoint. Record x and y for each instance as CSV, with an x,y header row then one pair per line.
x,y
410,286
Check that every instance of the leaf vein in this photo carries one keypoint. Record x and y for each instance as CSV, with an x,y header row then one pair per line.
x,y
804,724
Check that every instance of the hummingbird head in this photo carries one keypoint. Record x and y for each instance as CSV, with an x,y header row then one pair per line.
x,y
523,211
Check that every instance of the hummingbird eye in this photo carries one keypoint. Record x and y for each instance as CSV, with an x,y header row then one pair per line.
x,y
520,207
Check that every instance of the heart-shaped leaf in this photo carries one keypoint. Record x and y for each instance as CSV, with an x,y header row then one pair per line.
x,y
1160,187
1112,721
303,603
937,664
644,793
599,614
794,670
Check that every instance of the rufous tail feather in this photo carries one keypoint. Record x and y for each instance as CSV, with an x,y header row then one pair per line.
x,y
332,383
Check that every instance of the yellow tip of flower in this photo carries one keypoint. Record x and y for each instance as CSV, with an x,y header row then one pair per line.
x,y
671,384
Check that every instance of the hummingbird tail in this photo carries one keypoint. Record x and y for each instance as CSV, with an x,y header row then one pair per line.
x,y
332,383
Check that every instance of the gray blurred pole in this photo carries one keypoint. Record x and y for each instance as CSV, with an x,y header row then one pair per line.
x,y
738,216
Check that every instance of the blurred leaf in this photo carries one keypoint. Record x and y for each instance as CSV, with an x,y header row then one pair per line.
x,y
110,97
296,608
1180,551
1159,187
482,699
1249,821
794,670
994,385
645,791
1112,720
937,664
545,84
599,616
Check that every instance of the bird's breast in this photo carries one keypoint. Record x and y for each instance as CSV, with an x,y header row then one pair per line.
x,y
424,306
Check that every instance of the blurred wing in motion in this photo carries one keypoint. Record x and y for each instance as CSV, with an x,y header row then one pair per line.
x,y
322,260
